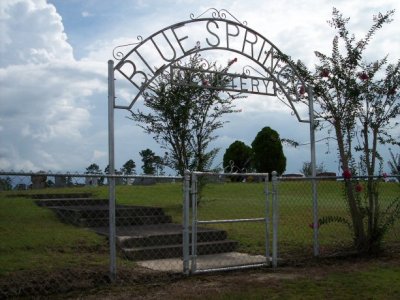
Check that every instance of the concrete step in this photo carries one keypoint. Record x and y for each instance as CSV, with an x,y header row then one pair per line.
x,y
71,202
61,195
169,251
77,219
164,234
102,211
169,239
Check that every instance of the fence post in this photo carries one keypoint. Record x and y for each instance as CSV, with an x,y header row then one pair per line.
x,y
267,252
194,223
111,180
186,204
275,216
313,173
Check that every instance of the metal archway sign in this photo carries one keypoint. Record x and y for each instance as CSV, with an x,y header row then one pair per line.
x,y
271,73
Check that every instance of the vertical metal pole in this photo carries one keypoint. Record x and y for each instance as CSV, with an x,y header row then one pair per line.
x,y
275,219
267,252
186,210
313,173
111,181
194,223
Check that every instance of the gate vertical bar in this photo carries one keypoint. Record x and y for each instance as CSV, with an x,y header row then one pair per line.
x,y
111,180
186,219
275,216
313,173
267,252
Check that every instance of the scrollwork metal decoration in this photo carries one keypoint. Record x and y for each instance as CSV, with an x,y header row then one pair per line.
x,y
247,71
218,14
204,63
118,54
232,168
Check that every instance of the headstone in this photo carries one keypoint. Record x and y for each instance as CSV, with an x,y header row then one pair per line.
x,y
144,181
38,181
327,174
21,187
92,181
119,180
60,181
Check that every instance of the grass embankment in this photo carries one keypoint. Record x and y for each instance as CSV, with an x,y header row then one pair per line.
x,y
33,238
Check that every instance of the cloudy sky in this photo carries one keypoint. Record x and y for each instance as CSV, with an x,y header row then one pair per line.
x,y
53,73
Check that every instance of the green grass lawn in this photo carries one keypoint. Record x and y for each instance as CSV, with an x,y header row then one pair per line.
x,y
32,237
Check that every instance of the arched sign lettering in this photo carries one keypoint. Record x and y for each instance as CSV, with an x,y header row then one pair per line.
x,y
149,57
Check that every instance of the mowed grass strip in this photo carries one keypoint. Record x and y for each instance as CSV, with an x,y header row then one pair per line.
x,y
374,283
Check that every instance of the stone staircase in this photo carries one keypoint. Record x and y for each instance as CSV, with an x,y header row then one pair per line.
x,y
142,232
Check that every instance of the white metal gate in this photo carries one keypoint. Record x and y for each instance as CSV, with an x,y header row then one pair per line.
x,y
231,260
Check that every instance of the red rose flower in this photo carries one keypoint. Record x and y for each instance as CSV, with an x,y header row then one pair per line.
x,y
324,73
359,187
363,76
346,174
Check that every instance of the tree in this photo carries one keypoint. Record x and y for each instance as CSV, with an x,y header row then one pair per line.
x,y
238,157
152,163
93,169
184,118
128,168
360,101
268,152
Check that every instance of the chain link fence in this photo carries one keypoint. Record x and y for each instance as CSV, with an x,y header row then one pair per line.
x,y
335,236
55,227
55,231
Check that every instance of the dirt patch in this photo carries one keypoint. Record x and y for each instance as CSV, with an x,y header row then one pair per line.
x,y
140,283
73,280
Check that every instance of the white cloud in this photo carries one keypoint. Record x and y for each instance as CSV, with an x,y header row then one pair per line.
x,y
47,98
32,32
86,14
